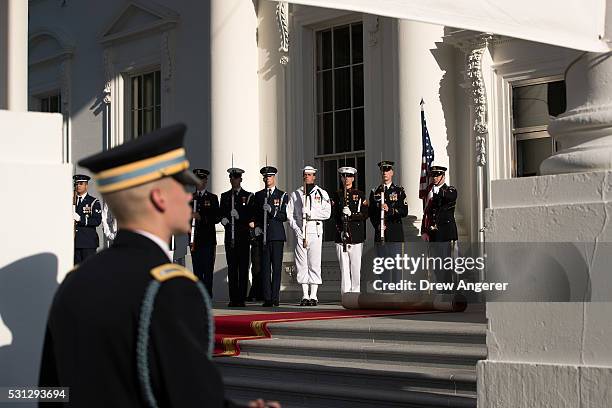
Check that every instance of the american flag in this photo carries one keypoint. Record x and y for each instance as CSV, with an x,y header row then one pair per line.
x,y
428,158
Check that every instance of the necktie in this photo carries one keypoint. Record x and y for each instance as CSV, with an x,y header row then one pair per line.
x,y
79,201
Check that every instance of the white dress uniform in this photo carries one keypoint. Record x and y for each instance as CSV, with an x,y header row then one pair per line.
x,y
308,259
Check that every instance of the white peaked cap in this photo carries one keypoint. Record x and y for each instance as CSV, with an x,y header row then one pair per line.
x,y
309,169
347,170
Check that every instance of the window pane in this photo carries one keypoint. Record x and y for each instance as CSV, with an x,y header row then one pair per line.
x,y
157,117
530,105
135,124
325,92
358,85
342,46
330,184
358,132
157,88
135,93
324,50
326,133
357,42
343,131
149,84
361,181
530,153
342,86
54,103
556,98
148,120
44,105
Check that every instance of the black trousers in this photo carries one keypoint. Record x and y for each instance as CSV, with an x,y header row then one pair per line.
x,y
271,264
238,269
256,293
203,258
80,254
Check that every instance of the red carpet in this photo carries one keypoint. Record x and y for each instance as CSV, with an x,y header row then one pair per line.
x,y
229,330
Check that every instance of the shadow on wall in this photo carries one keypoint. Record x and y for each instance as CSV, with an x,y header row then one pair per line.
x,y
27,287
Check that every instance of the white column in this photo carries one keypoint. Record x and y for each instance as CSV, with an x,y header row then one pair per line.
x,y
14,55
419,76
234,96
584,131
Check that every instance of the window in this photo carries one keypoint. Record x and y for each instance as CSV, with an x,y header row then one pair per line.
x,y
145,103
340,106
51,103
533,104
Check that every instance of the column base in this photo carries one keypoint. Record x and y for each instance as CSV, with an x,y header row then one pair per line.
x,y
529,385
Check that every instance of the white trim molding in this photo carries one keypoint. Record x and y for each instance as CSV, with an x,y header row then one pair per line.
x,y
282,19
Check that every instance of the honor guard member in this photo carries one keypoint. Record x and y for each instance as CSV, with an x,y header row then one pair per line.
x,y
350,210
236,212
388,205
127,328
308,207
204,240
87,215
270,214
439,226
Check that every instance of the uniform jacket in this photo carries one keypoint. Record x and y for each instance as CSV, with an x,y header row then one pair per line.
x,y
208,207
278,201
320,210
244,204
441,214
395,198
85,235
90,341
358,205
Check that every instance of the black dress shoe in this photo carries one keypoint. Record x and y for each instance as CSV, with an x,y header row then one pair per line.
x,y
240,304
267,304
313,302
275,303
232,304
305,302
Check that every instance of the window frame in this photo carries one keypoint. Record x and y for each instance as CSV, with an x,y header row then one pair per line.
x,y
530,132
127,98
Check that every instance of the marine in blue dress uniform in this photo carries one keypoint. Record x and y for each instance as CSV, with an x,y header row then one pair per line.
x,y
127,328
204,243
87,215
270,214
394,208
236,218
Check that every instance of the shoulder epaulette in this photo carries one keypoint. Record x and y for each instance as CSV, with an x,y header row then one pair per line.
x,y
168,271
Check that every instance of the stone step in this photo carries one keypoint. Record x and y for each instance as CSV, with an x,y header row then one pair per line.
x,y
294,393
443,381
366,351
388,330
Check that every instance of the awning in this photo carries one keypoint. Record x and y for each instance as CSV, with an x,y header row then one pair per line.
x,y
577,24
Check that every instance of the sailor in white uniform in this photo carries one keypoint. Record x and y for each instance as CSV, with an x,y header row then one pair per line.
x,y
306,213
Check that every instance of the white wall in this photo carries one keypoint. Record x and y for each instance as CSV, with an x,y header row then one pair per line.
x,y
37,241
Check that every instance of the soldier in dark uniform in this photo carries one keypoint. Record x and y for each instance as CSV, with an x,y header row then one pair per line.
x,y
349,210
127,328
394,205
270,214
439,226
236,212
87,215
204,245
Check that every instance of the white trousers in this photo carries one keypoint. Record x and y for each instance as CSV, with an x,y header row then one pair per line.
x,y
350,267
308,260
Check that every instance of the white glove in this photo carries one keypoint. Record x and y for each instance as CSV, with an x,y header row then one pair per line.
x,y
258,231
76,216
224,221
266,207
436,189
234,213
346,211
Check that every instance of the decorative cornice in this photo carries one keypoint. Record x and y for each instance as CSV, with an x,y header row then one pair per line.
x,y
372,25
107,77
282,19
478,95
